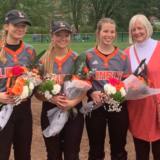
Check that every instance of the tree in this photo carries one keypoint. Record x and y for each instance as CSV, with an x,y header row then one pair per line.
x,y
74,7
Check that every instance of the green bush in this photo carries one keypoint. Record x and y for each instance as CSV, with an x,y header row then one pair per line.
x,y
156,27
38,30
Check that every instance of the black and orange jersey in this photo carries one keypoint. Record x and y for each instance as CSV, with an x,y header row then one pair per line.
x,y
116,65
20,57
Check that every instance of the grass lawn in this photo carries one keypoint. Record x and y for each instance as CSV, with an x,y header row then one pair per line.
x,y
78,47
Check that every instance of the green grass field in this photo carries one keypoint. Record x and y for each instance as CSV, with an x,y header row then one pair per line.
x,y
77,46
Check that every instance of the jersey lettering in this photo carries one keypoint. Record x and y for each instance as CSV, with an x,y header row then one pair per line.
x,y
5,71
59,78
105,75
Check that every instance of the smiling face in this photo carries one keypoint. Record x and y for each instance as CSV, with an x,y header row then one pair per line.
x,y
139,33
15,31
107,34
61,39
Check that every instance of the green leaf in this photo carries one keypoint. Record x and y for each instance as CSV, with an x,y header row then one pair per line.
x,y
36,59
117,96
73,112
27,82
77,63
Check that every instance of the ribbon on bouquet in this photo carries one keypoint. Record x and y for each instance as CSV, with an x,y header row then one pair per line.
x,y
5,114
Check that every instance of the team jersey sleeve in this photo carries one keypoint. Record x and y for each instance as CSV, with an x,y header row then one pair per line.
x,y
89,92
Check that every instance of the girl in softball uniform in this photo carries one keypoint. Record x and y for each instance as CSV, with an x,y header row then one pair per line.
x,y
110,62
14,52
59,60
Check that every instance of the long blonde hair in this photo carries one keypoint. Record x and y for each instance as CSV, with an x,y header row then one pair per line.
x,y
4,41
49,59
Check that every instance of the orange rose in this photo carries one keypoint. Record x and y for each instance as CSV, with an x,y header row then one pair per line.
x,y
35,71
121,84
21,81
9,91
86,70
38,77
75,77
17,90
25,69
118,87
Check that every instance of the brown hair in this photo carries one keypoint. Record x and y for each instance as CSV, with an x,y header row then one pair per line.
x,y
100,24
49,59
2,52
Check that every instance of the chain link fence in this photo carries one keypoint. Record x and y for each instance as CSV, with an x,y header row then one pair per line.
x,y
122,37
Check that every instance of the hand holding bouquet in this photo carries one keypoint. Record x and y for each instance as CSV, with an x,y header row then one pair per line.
x,y
20,84
75,84
115,90
113,94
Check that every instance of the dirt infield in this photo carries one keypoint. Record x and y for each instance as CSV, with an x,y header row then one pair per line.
x,y
38,147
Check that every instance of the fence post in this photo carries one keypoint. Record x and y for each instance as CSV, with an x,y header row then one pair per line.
x,y
122,36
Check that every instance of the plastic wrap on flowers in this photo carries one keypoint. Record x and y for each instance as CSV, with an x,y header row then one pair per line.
x,y
73,89
32,79
136,89
5,114
57,120
89,107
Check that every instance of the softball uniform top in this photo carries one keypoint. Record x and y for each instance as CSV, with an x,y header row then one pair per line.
x,y
20,57
143,117
115,65
63,67
68,140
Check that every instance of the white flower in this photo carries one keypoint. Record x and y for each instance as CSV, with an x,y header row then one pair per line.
x,y
47,95
25,92
109,89
123,92
56,89
31,86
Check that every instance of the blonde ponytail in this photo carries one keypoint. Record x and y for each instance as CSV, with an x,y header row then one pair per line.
x,y
2,52
49,60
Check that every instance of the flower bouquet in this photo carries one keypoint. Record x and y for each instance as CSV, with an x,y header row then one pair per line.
x,y
49,87
20,84
75,85
136,86
113,94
